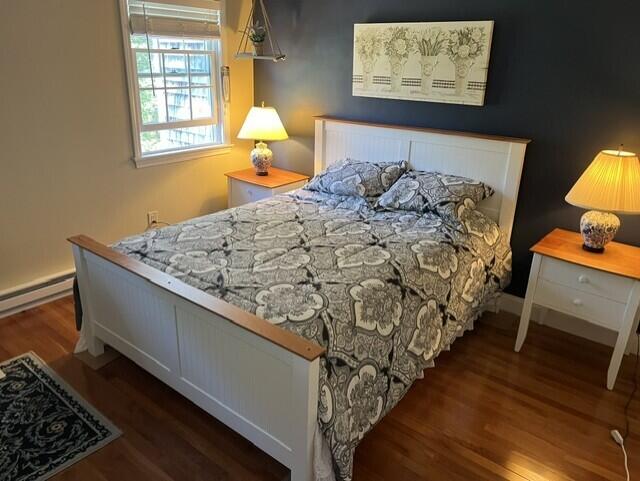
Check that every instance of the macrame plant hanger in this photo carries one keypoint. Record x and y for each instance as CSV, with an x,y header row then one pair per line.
x,y
247,48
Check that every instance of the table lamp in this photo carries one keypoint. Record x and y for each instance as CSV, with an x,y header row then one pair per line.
x,y
262,123
609,186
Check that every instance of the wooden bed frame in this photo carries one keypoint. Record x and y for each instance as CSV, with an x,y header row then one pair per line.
x,y
259,379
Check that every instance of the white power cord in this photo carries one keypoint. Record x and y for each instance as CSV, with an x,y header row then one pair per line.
x,y
615,434
617,437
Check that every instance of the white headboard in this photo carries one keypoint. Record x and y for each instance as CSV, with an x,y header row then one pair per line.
x,y
497,161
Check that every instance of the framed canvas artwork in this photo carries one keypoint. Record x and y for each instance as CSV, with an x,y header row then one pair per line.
x,y
429,61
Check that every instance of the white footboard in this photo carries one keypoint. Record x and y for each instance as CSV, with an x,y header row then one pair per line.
x,y
259,380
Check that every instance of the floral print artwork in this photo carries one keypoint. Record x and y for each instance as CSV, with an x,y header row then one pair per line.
x,y
397,46
428,61
465,46
367,44
429,43
384,291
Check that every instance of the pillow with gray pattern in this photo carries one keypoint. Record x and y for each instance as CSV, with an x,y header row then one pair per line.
x,y
357,178
432,191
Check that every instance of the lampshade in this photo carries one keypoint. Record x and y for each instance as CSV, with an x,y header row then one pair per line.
x,y
611,184
263,123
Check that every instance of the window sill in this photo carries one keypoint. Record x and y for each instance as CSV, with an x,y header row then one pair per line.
x,y
181,155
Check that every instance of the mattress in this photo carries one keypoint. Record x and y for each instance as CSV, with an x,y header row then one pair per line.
x,y
383,291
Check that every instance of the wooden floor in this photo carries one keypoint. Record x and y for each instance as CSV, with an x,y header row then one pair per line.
x,y
483,413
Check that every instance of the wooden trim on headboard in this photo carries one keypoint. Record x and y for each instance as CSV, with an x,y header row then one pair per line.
x,y
473,135
285,339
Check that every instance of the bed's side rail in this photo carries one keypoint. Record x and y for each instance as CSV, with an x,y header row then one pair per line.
x,y
260,380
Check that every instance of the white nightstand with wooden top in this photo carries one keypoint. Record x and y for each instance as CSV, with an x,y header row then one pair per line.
x,y
245,186
603,289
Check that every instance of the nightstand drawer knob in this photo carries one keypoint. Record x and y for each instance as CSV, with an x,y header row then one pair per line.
x,y
577,302
582,279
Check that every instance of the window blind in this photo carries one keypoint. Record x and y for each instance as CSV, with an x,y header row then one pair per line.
x,y
177,18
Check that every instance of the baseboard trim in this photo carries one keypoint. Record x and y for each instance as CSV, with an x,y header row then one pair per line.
x,y
565,323
39,292
62,285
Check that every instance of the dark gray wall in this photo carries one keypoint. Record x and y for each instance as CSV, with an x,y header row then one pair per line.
x,y
563,73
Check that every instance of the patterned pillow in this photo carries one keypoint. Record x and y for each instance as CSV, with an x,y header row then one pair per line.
x,y
444,194
358,178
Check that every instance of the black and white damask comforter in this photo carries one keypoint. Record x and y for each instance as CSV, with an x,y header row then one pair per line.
x,y
384,292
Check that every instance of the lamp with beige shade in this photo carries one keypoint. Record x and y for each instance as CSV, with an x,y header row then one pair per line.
x,y
609,186
262,123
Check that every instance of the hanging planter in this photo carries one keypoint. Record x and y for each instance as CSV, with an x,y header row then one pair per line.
x,y
257,35
257,40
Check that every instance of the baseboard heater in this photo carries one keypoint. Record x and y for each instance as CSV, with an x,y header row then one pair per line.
x,y
37,292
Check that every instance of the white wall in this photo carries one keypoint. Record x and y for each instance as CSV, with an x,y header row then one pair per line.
x,y
65,137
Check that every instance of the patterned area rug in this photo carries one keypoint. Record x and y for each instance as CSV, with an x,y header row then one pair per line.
x,y
45,426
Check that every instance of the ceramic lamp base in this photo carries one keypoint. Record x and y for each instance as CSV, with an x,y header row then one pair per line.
x,y
598,229
261,158
594,250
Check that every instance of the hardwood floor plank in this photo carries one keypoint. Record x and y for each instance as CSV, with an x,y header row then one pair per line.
x,y
483,413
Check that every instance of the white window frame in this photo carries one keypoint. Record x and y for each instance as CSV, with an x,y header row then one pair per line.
x,y
166,157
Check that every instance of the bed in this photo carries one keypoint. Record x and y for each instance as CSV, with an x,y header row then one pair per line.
x,y
305,310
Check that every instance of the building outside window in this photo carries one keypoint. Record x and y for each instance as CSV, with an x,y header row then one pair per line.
x,y
174,78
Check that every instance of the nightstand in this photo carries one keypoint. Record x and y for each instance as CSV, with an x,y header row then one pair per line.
x,y
603,289
245,186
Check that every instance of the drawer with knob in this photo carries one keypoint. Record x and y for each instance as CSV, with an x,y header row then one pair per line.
x,y
584,279
604,312
241,193
603,289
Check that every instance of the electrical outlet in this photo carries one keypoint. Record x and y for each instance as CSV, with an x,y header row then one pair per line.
x,y
152,217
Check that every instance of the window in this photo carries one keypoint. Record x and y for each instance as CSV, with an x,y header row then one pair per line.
x,y
174,51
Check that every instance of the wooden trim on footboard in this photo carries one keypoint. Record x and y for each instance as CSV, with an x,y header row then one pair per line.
x,y
287,340
255,377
